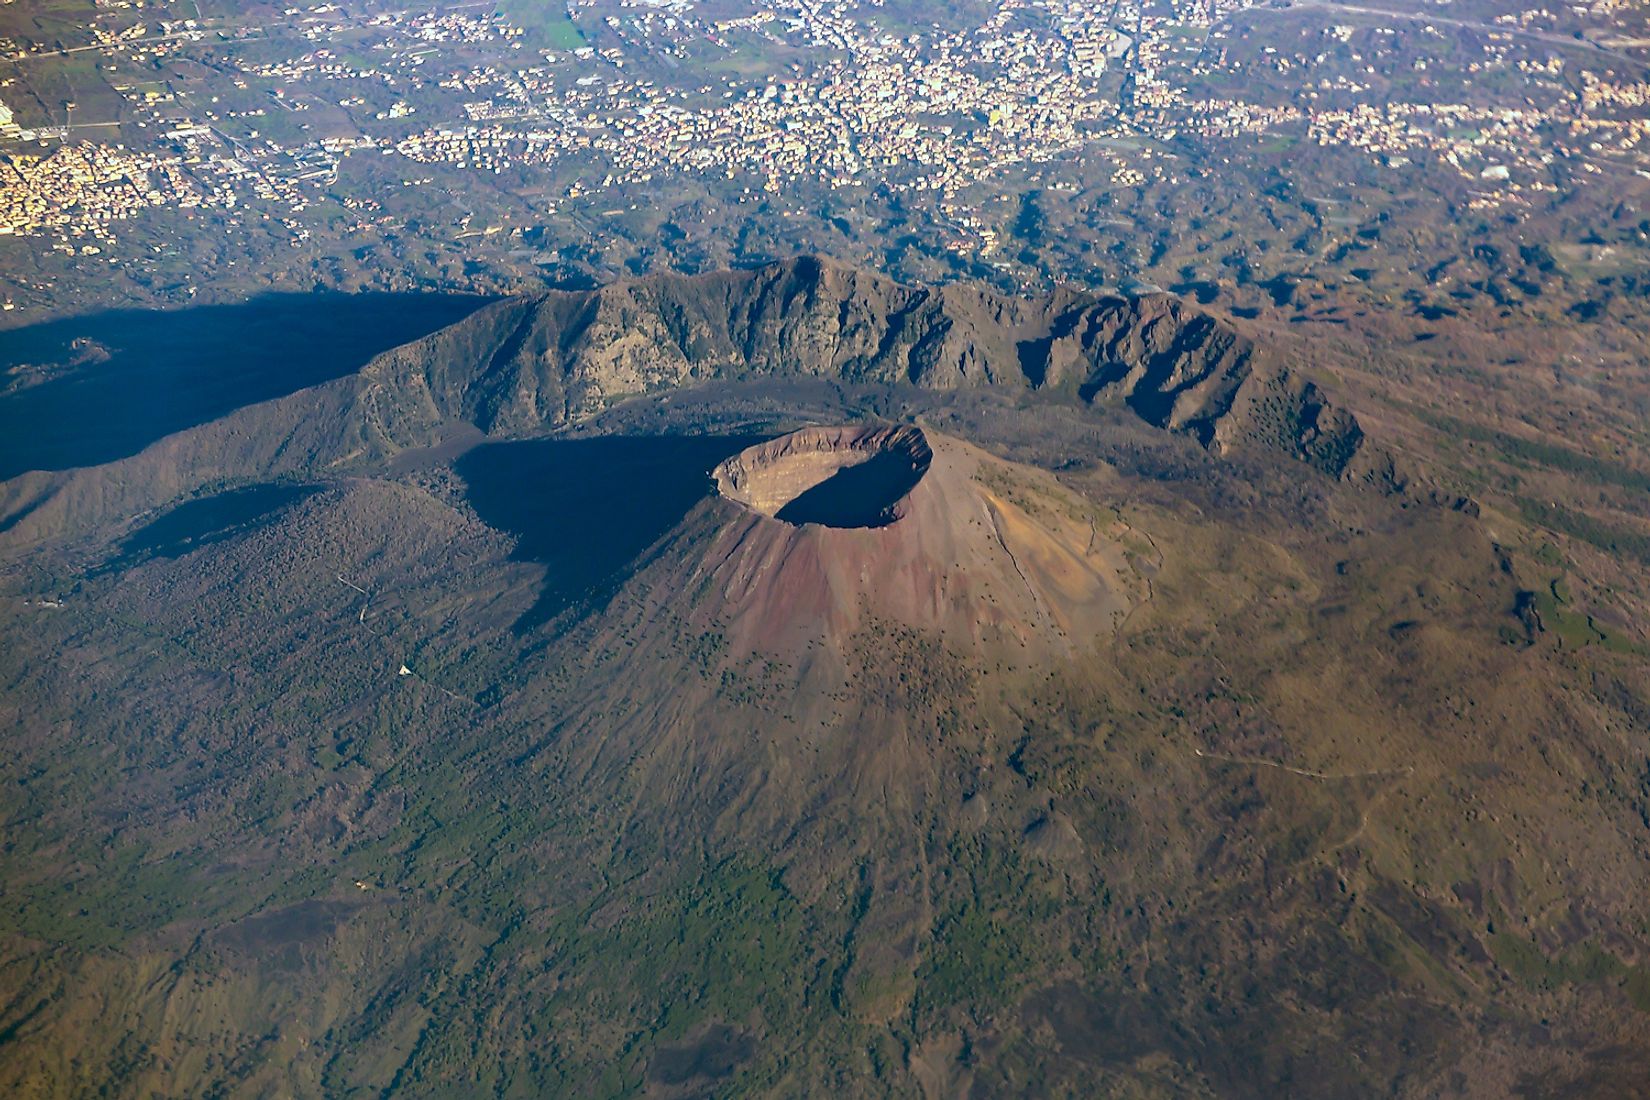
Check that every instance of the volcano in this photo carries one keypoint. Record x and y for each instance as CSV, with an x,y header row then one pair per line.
x,y
833,525
784,682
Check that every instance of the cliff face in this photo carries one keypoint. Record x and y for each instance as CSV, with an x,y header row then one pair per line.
x,y
524,364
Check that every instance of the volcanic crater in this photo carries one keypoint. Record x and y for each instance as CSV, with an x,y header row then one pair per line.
x,y
849,477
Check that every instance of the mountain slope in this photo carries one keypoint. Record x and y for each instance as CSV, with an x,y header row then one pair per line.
x,y
895,743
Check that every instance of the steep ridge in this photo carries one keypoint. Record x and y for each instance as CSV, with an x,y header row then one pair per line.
x,y
523,365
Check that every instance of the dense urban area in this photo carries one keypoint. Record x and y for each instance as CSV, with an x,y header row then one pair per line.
x,y
495,145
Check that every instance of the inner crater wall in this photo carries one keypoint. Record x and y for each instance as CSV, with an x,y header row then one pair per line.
x,y
838,477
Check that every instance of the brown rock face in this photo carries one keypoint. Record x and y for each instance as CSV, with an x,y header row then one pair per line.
x,y
521,364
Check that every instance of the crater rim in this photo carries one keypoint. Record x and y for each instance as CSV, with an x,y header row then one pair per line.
x,y
854,476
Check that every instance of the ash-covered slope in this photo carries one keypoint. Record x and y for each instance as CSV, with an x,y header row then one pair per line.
x,y
851,653
995,559
524,364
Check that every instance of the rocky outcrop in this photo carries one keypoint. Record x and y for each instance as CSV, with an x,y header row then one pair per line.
x,y
521,365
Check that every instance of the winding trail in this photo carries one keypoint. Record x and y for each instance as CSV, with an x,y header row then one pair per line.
x,y
988,507
1407,769
366,598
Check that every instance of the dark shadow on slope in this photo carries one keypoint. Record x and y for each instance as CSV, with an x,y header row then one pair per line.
x,y
712,1057
857,496
196,523
586,508
89,390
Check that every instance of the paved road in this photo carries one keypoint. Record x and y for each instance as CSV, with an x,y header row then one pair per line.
x,y
1564,41
124,43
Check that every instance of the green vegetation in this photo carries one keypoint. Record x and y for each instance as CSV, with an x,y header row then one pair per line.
x,y
1574,628
1606,537
1583,963
732,942
1527,452
545,24
991,938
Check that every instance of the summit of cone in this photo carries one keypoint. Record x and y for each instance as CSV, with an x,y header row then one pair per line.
x,y
835,477
996,558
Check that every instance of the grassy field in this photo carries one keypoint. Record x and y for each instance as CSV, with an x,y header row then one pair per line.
x,y
547,25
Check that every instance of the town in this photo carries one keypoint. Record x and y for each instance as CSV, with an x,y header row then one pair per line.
x,y
916,112
813,94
